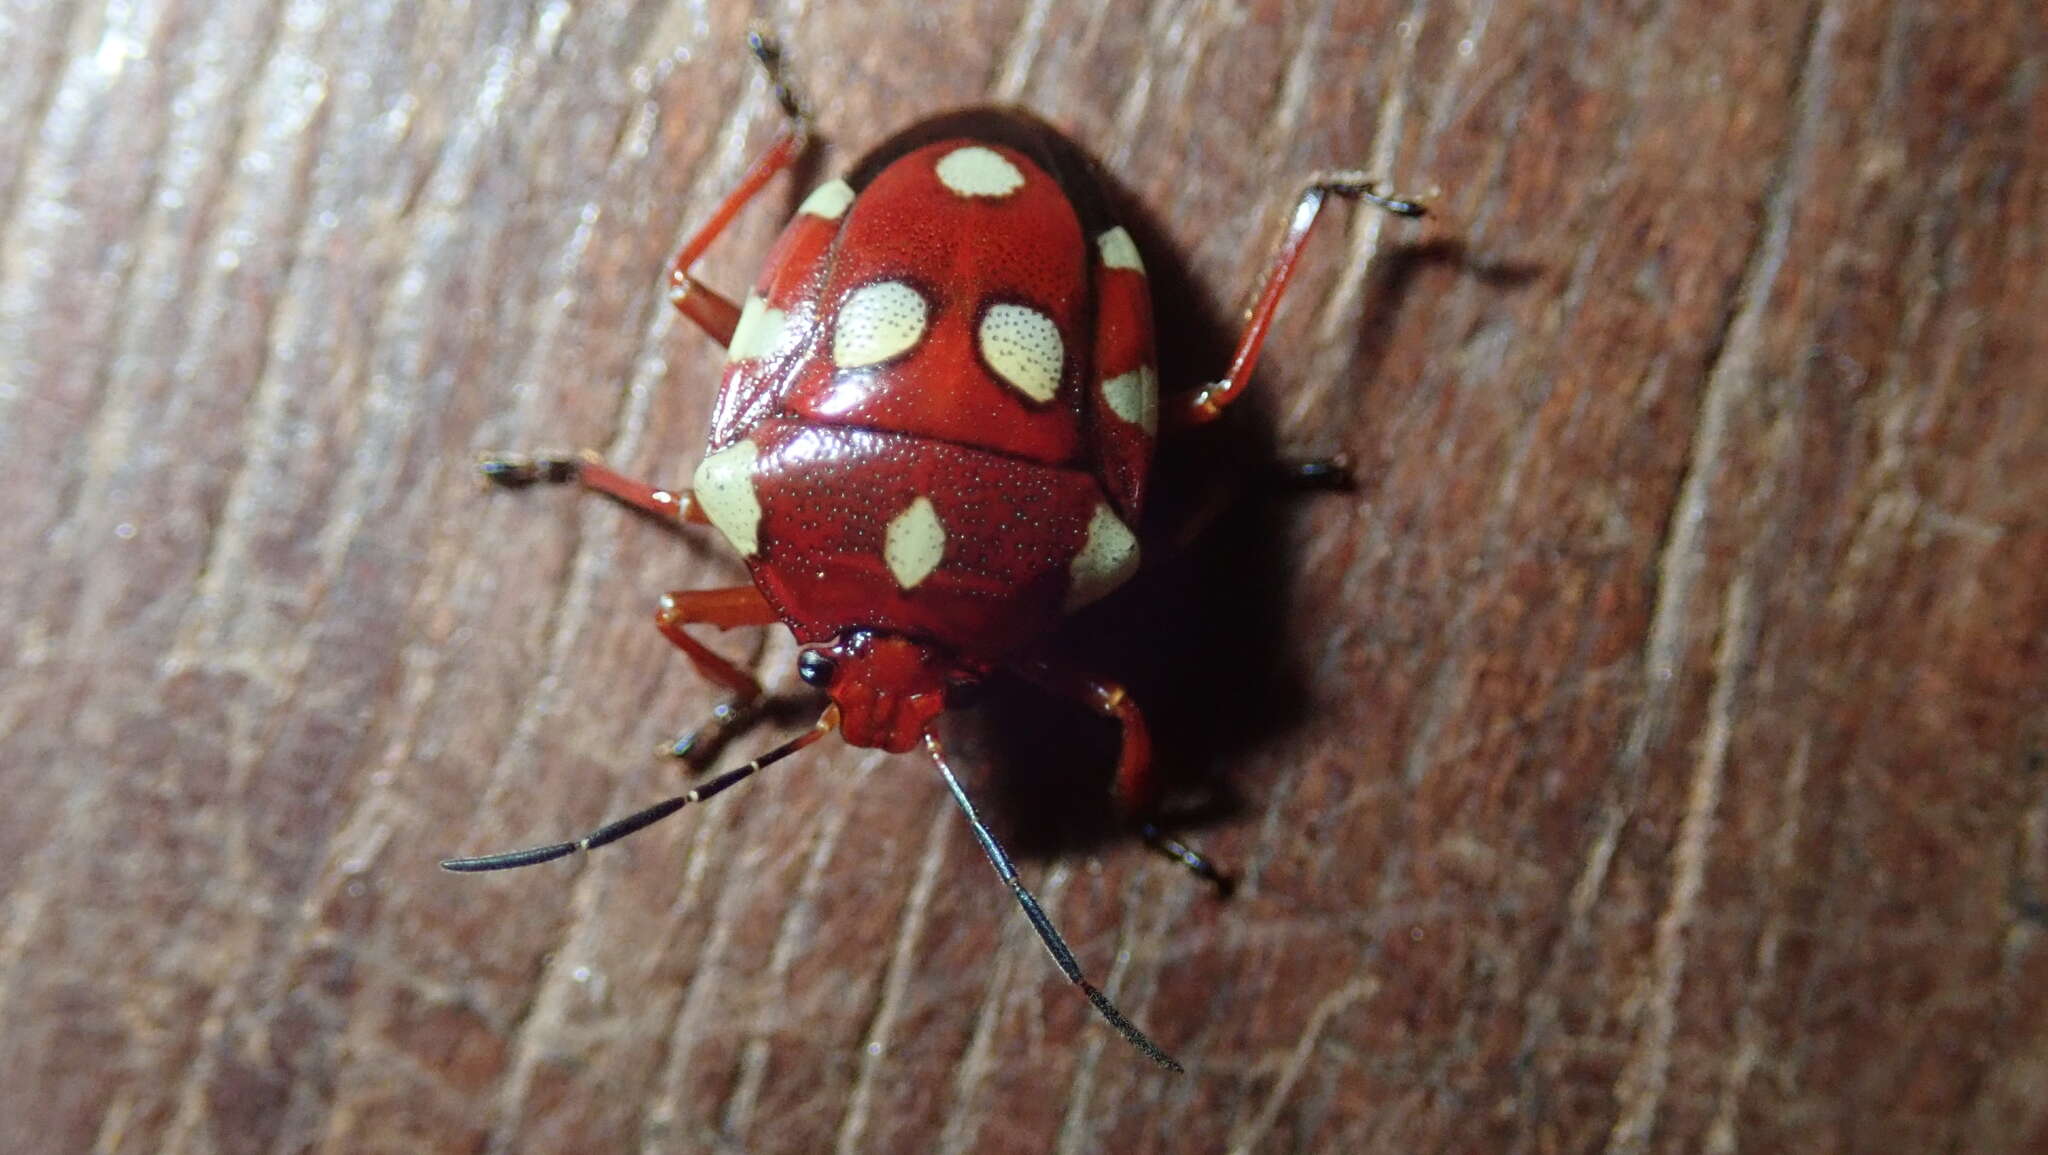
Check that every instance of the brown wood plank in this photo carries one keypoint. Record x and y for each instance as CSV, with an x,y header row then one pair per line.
x,y
1651,754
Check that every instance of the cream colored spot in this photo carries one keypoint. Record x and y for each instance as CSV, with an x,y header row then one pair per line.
x,y
758,333
725,491
975,171
1107,559
1134,396
828,200
1119,251
914,543
877,322
1023,347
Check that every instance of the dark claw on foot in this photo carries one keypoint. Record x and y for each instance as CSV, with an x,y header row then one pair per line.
x,y
517,470
1322,473
1194,860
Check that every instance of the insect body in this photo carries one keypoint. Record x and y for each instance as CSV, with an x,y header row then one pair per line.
x,y
930,445
918,447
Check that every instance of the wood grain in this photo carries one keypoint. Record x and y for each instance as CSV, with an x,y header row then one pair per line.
x,y
1651,754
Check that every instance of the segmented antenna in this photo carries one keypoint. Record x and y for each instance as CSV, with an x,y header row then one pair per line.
x,y
1062,955
641,820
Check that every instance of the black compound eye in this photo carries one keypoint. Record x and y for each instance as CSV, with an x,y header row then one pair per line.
x,y
815,668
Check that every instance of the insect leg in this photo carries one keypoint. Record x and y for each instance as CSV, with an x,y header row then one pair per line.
x,y
713,312
1314,473
1211,399
1285,475
1062,954
726,609
518,470
1135,788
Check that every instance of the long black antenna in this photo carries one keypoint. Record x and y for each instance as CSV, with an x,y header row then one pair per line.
x,y
641,820
1047,933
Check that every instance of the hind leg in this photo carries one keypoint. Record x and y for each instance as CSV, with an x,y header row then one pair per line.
x,y
712,311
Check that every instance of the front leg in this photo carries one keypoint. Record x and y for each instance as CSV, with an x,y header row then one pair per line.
x,y
724,609
1134,790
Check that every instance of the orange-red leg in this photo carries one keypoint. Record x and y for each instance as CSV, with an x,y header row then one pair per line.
x,y
517,470
1134,788
725,609
1208,402
712,311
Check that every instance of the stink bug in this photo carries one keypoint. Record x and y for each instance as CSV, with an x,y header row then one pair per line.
x,y
931,444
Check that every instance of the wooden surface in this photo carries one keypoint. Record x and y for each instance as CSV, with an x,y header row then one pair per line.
x,y
1651,754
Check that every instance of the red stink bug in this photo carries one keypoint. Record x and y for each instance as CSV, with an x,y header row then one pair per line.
x,y
931,444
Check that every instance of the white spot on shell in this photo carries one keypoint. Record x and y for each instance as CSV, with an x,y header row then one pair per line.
x,y
758,333
725,491
828,200
1023,346
1107,559
975,171
877,322
1119,251
914,543
1134,396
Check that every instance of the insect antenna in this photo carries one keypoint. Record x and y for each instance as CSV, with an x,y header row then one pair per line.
x,y
1062,954
640,820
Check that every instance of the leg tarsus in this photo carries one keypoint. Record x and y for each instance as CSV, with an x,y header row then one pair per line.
x,y
1356,185
699,748
519,470
1321,473
768,51
1194,860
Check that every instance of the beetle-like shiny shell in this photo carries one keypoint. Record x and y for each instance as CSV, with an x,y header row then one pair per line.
x,y
939,405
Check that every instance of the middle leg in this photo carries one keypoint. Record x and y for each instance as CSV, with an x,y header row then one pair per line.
x,y
518,470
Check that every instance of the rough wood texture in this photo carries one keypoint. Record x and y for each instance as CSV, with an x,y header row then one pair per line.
x,y
1651,755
